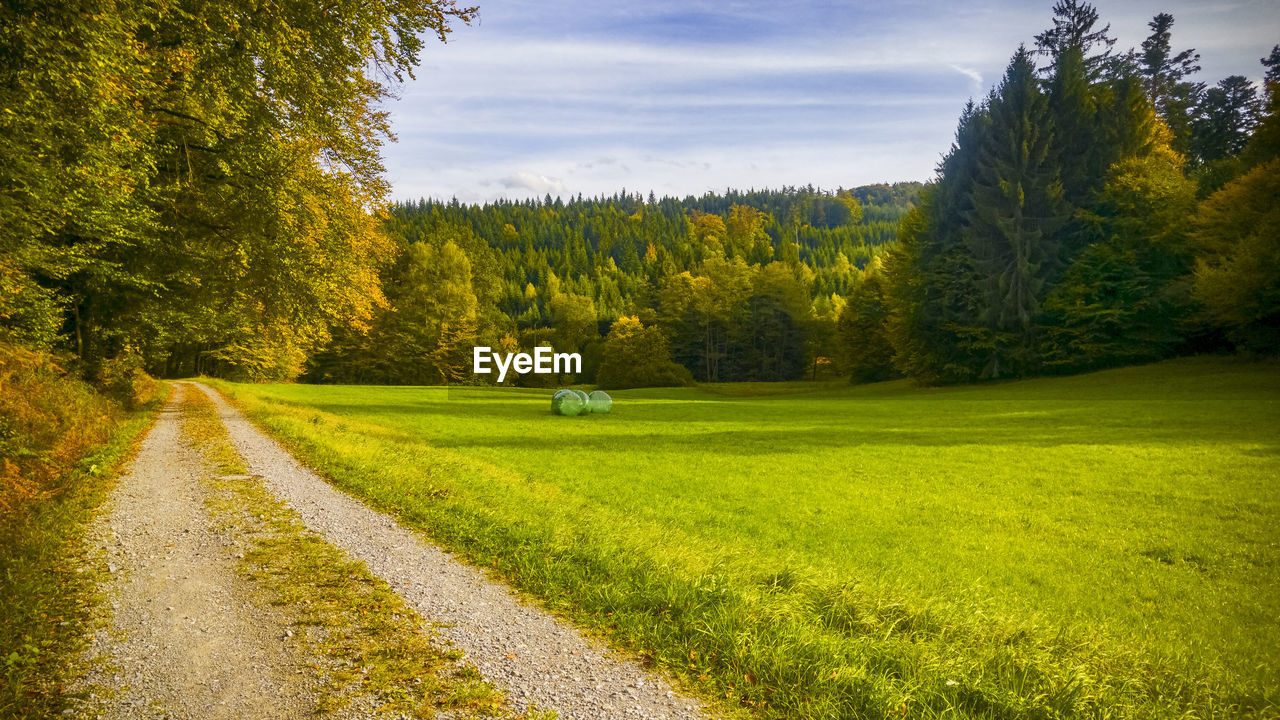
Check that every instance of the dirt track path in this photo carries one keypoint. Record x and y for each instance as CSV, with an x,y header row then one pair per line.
x,y
184,640
539,660
189,637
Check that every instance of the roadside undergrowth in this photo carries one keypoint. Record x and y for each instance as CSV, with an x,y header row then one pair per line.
x,y
49,576
370,648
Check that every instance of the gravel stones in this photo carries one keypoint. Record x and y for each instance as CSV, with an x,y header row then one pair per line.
x,y
183,640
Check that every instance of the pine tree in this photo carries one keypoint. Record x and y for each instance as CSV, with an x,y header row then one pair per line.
x,y
1264,145
1073,23
1074,110
1017,211
1227,116
1164,74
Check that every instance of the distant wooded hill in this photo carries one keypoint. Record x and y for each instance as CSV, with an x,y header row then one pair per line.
x,y
607,248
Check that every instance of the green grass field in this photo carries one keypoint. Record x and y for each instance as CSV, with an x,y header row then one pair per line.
x,y
1103,545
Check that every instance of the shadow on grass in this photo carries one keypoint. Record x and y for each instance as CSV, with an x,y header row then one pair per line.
x,y
766,442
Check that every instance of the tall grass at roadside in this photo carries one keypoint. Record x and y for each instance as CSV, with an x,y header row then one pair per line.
x,y
48,421
63,444
712,532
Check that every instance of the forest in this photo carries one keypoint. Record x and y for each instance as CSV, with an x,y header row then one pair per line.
x,y
183,195
562,274
1096,209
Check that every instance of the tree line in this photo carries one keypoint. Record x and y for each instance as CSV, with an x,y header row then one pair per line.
x,y
731,286
1097,208
197,189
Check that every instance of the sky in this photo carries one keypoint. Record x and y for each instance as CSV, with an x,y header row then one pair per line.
x,y
685,97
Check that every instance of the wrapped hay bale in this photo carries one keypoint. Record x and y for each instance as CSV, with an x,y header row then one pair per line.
x,y
599,401
568,403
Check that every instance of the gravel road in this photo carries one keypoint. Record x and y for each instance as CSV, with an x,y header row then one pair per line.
x,y
185,639
537,659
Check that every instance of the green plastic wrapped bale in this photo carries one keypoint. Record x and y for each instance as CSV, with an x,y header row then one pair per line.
x,y
568,404
586,402
599,401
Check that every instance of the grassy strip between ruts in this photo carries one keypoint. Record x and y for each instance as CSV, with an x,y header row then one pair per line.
x,y
793,645
48,587
369,645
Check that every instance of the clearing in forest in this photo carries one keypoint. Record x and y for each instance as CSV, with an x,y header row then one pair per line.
x,y
1062,545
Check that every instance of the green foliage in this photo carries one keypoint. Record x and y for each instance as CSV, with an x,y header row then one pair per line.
x,y
636,356
125,379
862,331
1264,145
199,186
1228,114
1055,236
29,313
933,287
779,317
700,270
75,161
1237,243
1073,32
425,333
982,252
574,318
196,182
1124,298
1164,73
1011,229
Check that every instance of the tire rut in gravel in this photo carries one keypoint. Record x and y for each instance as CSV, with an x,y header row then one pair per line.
x,y
185,638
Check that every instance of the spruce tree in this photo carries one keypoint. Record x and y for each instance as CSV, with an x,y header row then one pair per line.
x,y
1227,116
1074,110
1017,211
933,283
1164,74
1073,23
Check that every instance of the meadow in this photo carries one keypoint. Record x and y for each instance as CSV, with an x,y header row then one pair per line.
x,y
1088,546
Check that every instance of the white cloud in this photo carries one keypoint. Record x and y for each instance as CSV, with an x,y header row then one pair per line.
x,y
970,73
567,97
532,182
